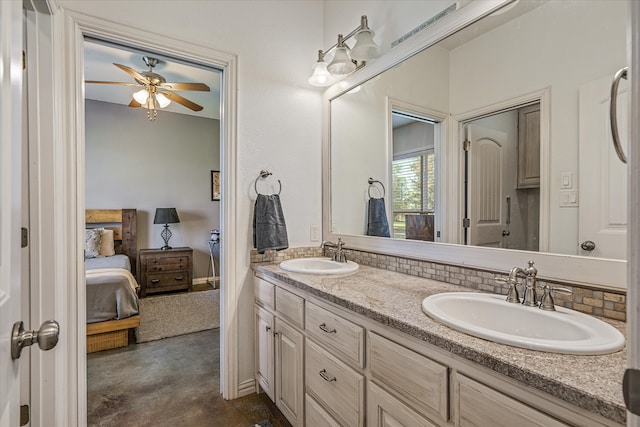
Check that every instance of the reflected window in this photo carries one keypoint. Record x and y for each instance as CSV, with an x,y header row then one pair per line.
x,y
413,173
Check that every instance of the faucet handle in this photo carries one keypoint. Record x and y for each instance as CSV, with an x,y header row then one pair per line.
x,y
512,293
547,302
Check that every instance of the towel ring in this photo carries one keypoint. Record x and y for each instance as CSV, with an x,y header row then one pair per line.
x,y
371,181
264,174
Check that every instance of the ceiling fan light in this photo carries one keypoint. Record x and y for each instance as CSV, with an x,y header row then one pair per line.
x,y
365,48
163,101
141,96
341,63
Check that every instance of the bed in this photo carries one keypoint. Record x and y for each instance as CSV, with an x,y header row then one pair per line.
x,y
111,287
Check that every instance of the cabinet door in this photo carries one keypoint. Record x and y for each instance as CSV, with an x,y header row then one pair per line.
x,y
265,350
478,405
289,384
384,410
316,416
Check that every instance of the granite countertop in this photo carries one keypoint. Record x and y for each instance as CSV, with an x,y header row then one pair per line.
x,y
593,383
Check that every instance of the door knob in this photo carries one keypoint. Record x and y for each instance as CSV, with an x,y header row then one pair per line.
x,y
588,245
46,337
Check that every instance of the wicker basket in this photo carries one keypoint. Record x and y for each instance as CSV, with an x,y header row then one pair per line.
x,y
110,334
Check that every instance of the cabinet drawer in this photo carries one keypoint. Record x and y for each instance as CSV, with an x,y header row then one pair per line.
x,y
395,365
290,306
180,278
338,387
383,409
264,293
476,404
158,264
343,336
316,416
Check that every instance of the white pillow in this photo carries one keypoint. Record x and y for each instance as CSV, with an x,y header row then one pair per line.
x,y
106,244
92,239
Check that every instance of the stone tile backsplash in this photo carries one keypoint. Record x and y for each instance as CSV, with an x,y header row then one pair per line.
x,y
587,300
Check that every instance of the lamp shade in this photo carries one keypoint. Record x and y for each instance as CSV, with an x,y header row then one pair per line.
x,y
321,76
365,48
341,63
166,216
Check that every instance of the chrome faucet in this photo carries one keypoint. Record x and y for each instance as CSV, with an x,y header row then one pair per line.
x,y
529,297
339,254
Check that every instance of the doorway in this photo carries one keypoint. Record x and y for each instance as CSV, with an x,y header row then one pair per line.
x,y
502,179
169,152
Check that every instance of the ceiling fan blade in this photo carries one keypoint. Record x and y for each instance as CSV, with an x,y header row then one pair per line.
x,y
136,75
112,83
134,103
181,100
186,86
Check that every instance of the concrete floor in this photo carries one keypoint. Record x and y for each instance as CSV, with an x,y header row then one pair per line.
x,y
169,382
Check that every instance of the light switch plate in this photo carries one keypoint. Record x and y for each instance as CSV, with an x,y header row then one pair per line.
x,y
566,180
569,199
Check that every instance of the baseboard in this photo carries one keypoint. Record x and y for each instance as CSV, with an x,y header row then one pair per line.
x,y
247,387
205,280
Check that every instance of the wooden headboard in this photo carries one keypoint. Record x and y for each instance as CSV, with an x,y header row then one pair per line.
x,y
123,222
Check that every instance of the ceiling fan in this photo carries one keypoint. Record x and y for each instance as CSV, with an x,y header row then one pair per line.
x,y
156,91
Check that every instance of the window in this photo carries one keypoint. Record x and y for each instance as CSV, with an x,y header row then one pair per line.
x,y
413,188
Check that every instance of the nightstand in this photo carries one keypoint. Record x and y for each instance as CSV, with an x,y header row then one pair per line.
x,y
165,270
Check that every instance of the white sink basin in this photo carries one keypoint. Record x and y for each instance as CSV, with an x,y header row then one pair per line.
x,y
318,266
490,317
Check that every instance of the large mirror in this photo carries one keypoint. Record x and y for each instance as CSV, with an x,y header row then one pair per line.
x,y
496,136
527,89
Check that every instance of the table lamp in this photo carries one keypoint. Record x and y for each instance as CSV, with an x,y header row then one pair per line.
x,y
166,216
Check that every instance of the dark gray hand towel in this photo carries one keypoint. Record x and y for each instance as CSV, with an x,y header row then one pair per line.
x,y
377,224
269,228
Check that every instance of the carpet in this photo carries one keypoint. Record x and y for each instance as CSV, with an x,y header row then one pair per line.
x,y
176,314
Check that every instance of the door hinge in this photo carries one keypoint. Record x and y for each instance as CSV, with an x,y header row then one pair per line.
x,y
24,238
24,415
24,60
466,145
466,222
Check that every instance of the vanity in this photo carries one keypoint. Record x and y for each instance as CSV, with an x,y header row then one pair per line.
x,y
356,350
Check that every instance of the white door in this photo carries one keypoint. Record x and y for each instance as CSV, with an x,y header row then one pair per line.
x,y
486,192
11,200
603,177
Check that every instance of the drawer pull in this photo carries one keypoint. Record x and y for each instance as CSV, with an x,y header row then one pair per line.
x,y
324,328
155,281
180,278
268,328
325,377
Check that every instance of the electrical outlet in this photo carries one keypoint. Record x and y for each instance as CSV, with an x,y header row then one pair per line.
x,y
315,233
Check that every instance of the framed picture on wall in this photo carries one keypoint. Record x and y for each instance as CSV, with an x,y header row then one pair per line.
x,y
215,185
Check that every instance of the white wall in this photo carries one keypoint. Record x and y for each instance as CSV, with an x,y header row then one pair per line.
x,y
132,162
278,114
360,146
521,57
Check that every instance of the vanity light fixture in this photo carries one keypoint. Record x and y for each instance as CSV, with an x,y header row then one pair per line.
x,y
345,60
